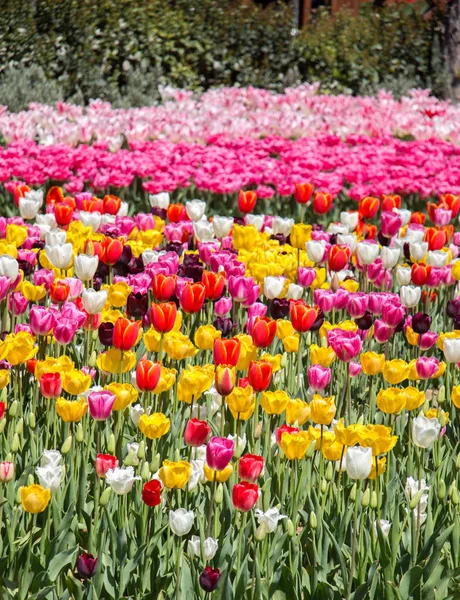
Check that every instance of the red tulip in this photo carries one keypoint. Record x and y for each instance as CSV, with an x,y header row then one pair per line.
x,y
111,204
263,332
250,467
192,297
63,214
436,238
339,255
368,207
163,316
303,192
19,192
104,462
214,284
110,250
151,492
391,201
302,315
163,286
227,352
322,202
259,375
176,213
51,385
247,201
125,333
196,433
420,273
59,291
55,195
2,410
244,496
147,375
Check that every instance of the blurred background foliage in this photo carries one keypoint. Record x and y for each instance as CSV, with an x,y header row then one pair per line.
x,y
121,51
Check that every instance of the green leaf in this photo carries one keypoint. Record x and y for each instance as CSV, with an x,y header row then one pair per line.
x,y
410,582
61,560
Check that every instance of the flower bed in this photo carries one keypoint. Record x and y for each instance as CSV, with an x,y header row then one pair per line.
x,y
250,405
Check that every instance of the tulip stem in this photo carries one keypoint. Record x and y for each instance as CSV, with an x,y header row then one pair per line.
x,y
211,503
240,543
178,565
353,543
299,361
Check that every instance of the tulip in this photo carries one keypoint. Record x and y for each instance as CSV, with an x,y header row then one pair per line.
x,y
163,316
6,471
219,452
225,379
426,366
175,474
86,565
59,256
372,363
151,493
358,462
227,352
223,306
147,375
195,209
263,332
347,345
121,480
338,257
322,202
192,297
71,411
181,521
316,251
250,467
259,375
390,257
34,498
154,426
391,223
93,302
273,287
104,462
85,266
50,476
105,333
303,192
51,385
241,402
452,350
100,404
302,316
318,377
125,334
222,226
247,201
367,252
42,320
245,496
196,433
421,323
210,547
368,207
391,400
163,287
425,431
410,295
214,284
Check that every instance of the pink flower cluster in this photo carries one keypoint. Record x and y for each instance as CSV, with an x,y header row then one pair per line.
x,y
234,112
357,166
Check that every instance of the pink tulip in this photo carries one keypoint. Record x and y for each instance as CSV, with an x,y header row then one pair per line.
x,y
306,276
391,223
100,404
44,277
346,344
381,331
257,310
219,452
318,377
435,277
427,340
392,314
354,368
42,320
441,217
426,366
357,304
223,306
4,287
64,331
241,288
325,299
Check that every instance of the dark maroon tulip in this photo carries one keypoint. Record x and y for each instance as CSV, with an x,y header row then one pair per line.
x,y
318,321
86,565
279,308
137,305
224,324
209,579
365,322
421,323
106,334
453,309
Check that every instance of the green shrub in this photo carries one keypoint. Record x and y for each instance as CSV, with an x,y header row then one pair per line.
x,y
21,86
122,50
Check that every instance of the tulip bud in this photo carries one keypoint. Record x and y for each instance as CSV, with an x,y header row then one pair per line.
x,y
155,464
15,444
32,421
79,435
290,528
4,395
66,445
30,479
455,497
374,499
323,486
311,449
111,445
95,335
416,499
360,420
128,459
451,489
365,498
284,360
313,520
105,497
2,425
219,495
92,362
20,426
145,471
260,533
442,489
441,394
18,496
141,450
13,408
457,461
353,493
329,471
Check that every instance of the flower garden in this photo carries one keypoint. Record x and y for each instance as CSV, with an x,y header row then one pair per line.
x,y
230,348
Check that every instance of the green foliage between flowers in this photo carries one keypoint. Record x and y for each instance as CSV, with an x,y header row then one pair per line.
x,y
121,50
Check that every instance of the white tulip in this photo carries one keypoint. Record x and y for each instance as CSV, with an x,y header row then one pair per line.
x,y
282,226
418,250
123,210
414,235
181,521
403,275
59,256
195,209
367,252
160,200
50,477
91,219
256,220
9,267
404,214
197,475
51,458
273,286
121,479
108,219
315,250
203,230
210,547
358,462
135,412
133,449
413,486
268,521
85,266
93,302
347,240
222,226
47,219
35,196
199,453
28,208
294,292
240,443
425,431
410,295
151,256
56,237
437,258
390,257
452,350
350,220
384,527
338,228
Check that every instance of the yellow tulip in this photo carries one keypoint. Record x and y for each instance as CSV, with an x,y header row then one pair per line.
x,y
414,397
391,401
154,426
437,413
322,410
175,474
241,402
125,393
451,335
33,293
71,411
4,378
220,476
193,382
34,498
178,346
322,356
20,347
205,336
274,403
347,436
284,329
295,445
75,382
16,234
118,293
291,343
372,363
381,467
63,364
333,450
112,362
456,396
395,371
377,437
248,352
166,381
300,235
275,361
297,411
